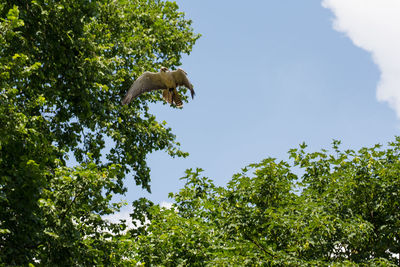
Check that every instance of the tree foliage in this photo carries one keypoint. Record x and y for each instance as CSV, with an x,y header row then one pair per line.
x,y
64,66
342,211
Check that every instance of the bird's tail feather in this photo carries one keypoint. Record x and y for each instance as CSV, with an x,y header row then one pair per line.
x,y
167,95
177,99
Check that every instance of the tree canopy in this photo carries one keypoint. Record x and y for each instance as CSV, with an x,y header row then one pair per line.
x,y
64,66
343,210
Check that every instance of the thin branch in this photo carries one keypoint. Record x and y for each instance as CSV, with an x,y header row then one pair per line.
x,y
257,244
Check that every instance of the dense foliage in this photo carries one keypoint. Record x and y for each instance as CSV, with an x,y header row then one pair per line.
x,y
64,66
342,211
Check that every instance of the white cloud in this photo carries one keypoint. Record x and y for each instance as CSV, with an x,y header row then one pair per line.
x,y
374,25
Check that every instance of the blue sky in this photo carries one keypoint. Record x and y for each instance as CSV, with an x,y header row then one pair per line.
x,y
269,75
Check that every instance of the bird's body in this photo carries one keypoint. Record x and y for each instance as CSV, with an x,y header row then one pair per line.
x,y
164,80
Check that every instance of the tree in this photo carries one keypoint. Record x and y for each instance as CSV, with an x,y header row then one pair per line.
x,y
64,66
342,210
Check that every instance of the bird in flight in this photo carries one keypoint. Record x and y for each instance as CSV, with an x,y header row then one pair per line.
x,y
165,80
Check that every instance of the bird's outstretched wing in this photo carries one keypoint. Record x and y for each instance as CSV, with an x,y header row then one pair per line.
x,y
148,81
181,79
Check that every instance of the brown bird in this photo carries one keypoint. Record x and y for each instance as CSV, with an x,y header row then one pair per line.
x,y
171,96
164,80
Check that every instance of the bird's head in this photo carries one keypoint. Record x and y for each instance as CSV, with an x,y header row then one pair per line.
x,y
164,69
